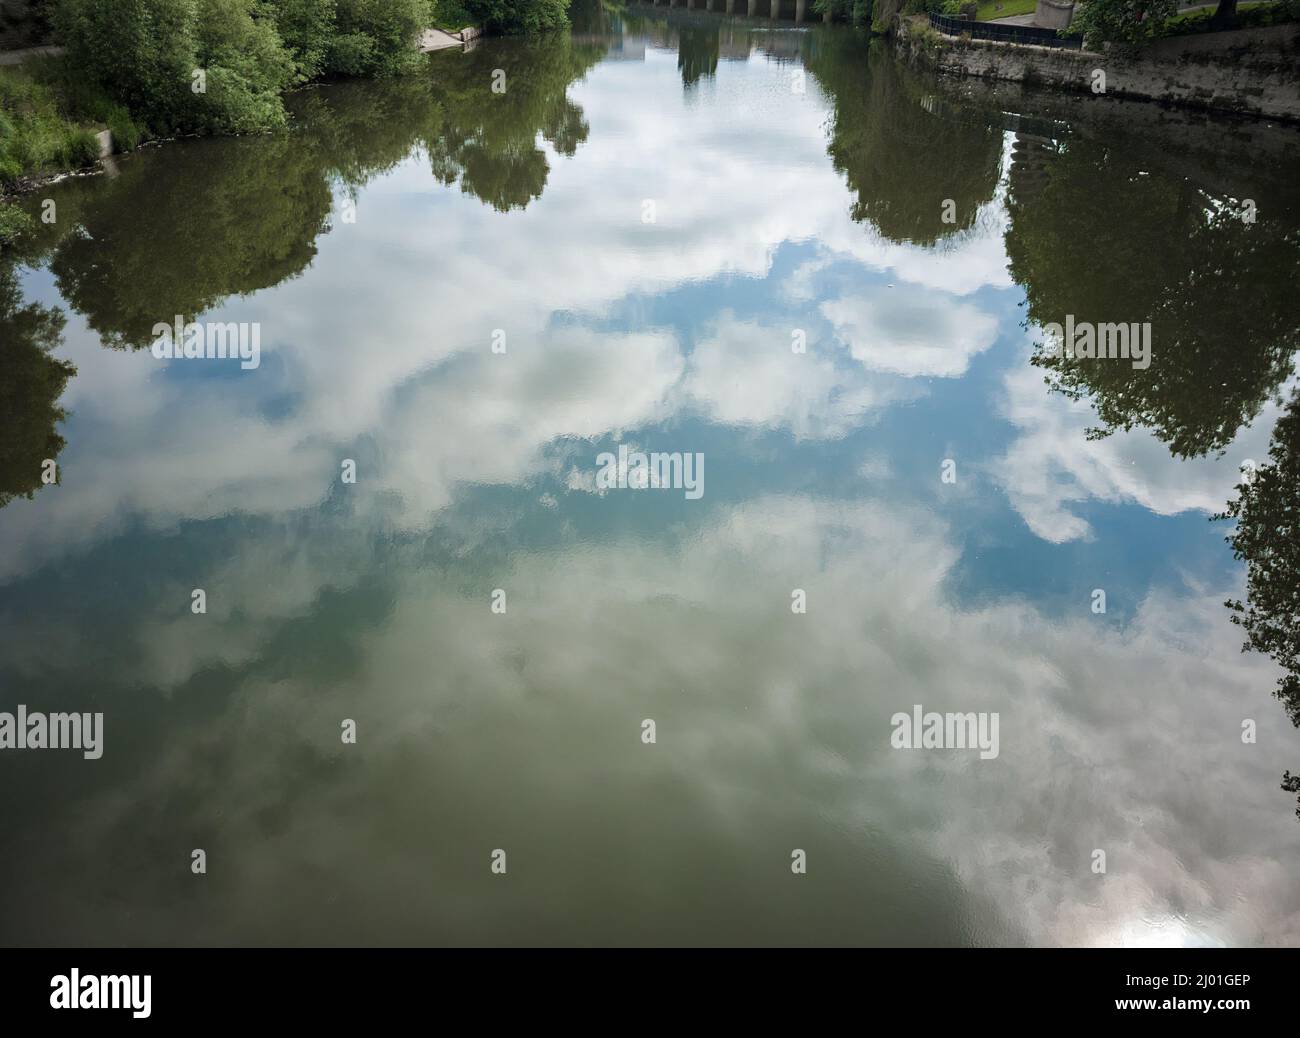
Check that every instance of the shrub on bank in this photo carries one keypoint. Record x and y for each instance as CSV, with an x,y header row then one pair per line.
x,y
220,66
147,68
451,15
1124,24
181,65
378,37
516,17
352,37
307,28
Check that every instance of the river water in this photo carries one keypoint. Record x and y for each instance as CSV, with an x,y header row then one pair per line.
x,y
819,275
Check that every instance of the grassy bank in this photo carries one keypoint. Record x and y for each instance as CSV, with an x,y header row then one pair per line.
x,y
168,67
48,125
160,68
994,9
36,134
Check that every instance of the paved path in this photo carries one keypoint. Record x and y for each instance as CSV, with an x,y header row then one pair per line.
x,y
17,57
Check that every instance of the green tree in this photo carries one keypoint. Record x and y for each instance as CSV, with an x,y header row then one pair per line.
x,y
518,17
1125,24
308,29
182,65
378,37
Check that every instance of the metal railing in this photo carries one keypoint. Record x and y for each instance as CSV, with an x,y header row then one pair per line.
x,y
1002,33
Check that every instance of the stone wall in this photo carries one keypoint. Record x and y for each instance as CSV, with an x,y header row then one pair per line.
x,y
1177,138
1249,71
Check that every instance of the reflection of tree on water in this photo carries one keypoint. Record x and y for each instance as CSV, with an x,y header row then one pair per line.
x,y
180,232
184,227
902,155
488,141
697,52
592,16
30,386
1267,537
1097,237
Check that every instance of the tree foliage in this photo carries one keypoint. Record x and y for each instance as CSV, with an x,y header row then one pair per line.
x,y
518,17
1125,24
182,65
378,37
307,28
220,66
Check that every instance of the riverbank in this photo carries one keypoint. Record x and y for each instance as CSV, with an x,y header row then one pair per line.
x,y
1244,72
55,121
51,128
